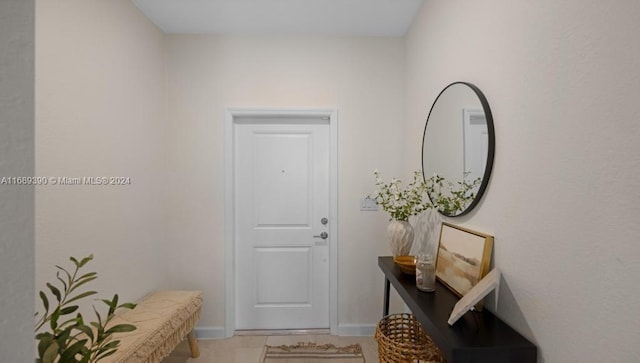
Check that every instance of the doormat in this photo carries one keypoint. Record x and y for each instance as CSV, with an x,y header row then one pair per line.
x,y
312,353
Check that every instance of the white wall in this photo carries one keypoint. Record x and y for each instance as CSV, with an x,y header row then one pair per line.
x,y
362,77
101,111
16,160
562,81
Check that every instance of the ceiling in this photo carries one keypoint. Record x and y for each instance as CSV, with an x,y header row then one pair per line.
x,y
320,17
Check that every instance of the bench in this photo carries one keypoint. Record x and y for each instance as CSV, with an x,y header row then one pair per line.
x,y
162,319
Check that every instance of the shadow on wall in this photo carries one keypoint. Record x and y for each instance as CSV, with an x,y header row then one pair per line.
x,y
507,305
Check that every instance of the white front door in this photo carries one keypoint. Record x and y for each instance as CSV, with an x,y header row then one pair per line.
x,y
281,203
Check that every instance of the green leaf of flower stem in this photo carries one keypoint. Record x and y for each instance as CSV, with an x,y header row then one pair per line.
x,y
88,274
68,310
63,339
79,283
112,344
53,322
127,306
44,342
103,349
84,294
51,353
113,305
54,291
99,326
75,261
85,260
45,302
61,280
73,321
121,328
86,330
70,353
67,273
105,354
87,357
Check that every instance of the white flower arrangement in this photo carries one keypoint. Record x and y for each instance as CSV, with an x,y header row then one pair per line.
x,y
420,195
401,203
449,197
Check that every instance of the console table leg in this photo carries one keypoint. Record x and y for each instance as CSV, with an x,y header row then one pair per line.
x,y
385,310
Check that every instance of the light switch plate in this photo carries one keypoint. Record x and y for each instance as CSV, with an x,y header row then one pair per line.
x,y
368,204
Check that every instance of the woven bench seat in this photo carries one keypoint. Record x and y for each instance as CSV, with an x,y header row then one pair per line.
x,y
162,319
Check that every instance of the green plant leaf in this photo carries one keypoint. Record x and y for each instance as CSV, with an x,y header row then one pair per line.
x,y
68,310
72,321
51,353
54,319
104,350
86,330
98,325
83,295
127,306
66,272
44,335
44,341
120,328
79,283
69,339
86,358
63,339
54,291
45,302
112,344
88,274
113,304
69,354
61,280
105,354
85,260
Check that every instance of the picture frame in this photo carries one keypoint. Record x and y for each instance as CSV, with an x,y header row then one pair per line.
x,y
475,295
463,258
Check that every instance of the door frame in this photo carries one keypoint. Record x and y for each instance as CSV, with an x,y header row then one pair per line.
x,y
230,116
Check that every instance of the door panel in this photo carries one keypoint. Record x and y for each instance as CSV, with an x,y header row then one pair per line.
x,y
292,267
282,180
281,196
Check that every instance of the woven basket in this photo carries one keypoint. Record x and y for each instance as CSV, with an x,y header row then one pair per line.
x,y
401,339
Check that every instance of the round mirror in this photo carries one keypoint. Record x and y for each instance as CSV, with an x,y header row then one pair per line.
x,y
457,148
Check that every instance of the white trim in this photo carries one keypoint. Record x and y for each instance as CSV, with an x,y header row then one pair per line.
x,y
229,224
357,330
210,332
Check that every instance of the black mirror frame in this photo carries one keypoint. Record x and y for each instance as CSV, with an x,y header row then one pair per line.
x,y
491,146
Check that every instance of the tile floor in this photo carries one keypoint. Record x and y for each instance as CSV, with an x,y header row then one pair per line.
x,y
248,349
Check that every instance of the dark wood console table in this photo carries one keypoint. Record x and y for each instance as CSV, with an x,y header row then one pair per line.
x,y
476,337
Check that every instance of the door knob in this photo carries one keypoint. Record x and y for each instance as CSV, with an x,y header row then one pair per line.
x,y
323,235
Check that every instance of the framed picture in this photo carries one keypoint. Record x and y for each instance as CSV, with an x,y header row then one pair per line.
x,y
463,258
475,295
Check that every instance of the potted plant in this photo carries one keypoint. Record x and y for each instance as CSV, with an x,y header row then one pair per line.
x,y
401,203
416,197
63,335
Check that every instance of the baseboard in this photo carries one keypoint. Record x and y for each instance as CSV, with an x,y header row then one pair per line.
x,y
210,332
356,330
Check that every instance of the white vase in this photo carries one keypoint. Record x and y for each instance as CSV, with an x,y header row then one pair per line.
x,y
400,235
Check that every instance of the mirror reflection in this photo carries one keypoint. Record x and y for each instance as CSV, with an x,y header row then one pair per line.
x,y
458,148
